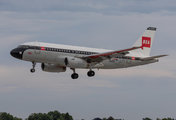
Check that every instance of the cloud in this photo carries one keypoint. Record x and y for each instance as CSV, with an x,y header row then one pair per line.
x,y
79,28
141,72
17,78
13,39
6,89
110,7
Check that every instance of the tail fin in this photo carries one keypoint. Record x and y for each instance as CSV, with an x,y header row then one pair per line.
x,y
145,42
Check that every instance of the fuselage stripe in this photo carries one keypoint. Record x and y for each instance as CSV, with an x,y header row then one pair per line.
x,y
72,51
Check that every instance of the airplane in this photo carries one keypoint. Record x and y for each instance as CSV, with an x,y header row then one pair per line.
x,y
57,57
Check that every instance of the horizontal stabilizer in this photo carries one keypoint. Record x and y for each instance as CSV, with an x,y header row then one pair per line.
x,y
153,57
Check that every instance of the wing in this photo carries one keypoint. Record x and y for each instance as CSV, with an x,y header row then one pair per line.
x,y
108,55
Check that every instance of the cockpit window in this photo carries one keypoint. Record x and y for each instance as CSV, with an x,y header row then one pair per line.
x,y
23,46
19,46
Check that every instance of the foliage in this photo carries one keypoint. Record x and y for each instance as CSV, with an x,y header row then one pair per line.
x,y
110,118
146,118
167,119
39,116
55,115
97,119
52,115
7,116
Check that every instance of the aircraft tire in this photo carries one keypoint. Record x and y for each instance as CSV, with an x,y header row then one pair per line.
x,y
74,76
32,70
90,73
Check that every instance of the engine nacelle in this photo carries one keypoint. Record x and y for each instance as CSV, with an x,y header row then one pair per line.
x,y
52,68
71,62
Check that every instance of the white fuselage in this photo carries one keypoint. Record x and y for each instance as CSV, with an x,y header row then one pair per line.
x,y
50,53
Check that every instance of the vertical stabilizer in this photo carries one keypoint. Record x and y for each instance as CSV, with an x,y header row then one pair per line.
x,y
145,42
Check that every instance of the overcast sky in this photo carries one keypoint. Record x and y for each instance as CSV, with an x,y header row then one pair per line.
x,y
130,94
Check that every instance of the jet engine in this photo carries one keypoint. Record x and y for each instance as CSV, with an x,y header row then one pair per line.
x,y
71,61
52,68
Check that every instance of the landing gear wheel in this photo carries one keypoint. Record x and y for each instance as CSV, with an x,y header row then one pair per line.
x,y
32,70
74,76
90,73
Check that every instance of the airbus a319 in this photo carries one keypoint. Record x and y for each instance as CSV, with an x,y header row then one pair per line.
x,y
57,57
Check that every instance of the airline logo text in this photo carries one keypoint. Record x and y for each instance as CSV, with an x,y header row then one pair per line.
x,y
146,42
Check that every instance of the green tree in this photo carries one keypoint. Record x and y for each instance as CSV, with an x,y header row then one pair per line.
x,y
55,115
7,116
33,116
167,119
44,117
61,118
146,118
39,116
110,118
15,118
68,117
164,119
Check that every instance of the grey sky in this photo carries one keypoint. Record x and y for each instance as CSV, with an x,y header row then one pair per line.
x,y
98,6
132,93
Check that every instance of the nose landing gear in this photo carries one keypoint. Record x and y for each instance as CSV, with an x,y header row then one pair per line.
x,y
33,67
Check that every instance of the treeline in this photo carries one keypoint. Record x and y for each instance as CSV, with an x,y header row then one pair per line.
x,y
55,115
52,115
159,119
111,118
7,116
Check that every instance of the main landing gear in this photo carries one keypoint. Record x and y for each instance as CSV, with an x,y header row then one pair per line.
x,y
33,67
90,73
74,75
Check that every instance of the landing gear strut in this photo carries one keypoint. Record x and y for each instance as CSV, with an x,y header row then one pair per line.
x,y
74,75
33,67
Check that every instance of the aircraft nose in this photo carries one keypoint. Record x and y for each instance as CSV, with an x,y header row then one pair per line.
x,y
16,53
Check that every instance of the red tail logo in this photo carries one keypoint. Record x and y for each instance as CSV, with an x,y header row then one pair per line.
x,y
146,42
